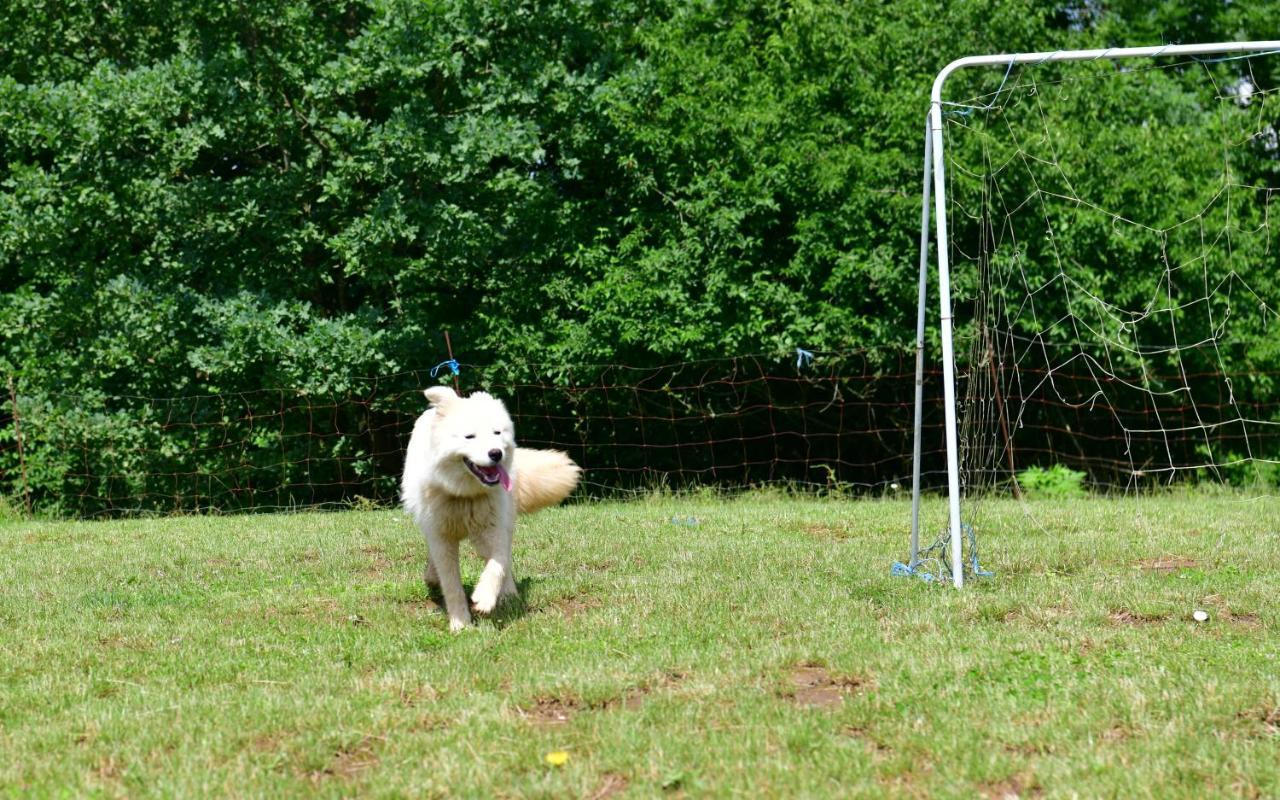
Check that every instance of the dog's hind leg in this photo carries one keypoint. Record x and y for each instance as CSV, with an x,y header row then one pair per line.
x,y
509,585
444,563
429,575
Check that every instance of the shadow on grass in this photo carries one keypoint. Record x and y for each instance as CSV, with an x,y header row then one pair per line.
x,y
509,610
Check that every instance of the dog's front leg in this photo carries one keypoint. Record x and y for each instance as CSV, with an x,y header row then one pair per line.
x,y
444,557
496,579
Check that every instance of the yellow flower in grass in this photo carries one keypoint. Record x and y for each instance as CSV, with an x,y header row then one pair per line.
x,y
556,758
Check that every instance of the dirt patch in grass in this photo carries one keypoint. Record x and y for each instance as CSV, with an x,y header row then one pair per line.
x,y
1029,749
1167,563
1263,721
378,562
87,736
410,696
634,697
630,700
611,783
348,763
118,642
1014,788
572,606
669,679
1247,620
266,742
907,783
1116,733
551,711
559,709
430,722
108,769
878,749
1124,616
324,609
812,685
1037,617
418,607
672,676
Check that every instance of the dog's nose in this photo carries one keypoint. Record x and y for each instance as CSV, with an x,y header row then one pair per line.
x,y
495,455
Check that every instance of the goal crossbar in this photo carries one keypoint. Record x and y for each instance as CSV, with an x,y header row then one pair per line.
x,y
935,180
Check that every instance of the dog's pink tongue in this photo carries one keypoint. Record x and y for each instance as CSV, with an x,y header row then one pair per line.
x,y
504,476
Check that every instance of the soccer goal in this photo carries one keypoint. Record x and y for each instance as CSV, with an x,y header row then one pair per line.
x,y
1106,274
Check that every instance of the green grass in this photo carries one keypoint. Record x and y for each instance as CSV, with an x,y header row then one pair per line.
x,y
302,656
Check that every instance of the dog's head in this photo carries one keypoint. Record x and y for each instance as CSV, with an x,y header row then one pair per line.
x,y
473,439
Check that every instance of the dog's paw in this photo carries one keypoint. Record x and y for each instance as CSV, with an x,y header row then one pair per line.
x,y
484,602
456,625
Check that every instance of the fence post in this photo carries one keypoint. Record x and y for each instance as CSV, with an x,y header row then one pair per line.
x,y
17,435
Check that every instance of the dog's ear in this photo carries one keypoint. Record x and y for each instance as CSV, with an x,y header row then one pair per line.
x,y
440,397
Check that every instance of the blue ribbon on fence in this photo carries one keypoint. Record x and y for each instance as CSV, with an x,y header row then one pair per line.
x,y
803,358
452,364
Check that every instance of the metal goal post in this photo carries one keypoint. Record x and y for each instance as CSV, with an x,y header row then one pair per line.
x,y
935,179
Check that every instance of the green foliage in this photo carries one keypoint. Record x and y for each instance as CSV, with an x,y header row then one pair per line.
x,y
206,197
1058,481
1238,469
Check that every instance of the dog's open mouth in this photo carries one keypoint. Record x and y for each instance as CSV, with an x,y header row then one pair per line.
x,y
490,476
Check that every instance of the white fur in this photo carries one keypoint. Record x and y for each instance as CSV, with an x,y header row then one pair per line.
x,y
449,502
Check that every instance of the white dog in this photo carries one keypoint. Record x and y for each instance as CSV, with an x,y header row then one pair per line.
x,y
464,478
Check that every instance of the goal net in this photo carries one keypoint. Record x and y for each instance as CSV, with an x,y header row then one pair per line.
x,y
1107,225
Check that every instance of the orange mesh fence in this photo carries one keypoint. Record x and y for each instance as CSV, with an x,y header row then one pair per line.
x,y
839,422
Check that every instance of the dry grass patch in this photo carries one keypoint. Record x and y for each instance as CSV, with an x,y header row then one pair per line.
x,y
1263,721
611,784
575,605
822,530
1167,563
1124,616
1017,787
348,763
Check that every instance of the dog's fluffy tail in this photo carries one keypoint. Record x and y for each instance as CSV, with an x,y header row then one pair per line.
x,y
543,478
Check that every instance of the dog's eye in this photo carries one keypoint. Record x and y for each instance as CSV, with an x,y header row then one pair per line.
x,y
469,436
497,433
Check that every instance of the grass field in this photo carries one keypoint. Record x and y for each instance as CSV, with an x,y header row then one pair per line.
x,y
753,647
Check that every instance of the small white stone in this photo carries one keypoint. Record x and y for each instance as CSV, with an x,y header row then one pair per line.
x,y
1199,615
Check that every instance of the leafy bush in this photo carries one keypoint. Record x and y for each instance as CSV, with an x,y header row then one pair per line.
x,y
300,195
1058,481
